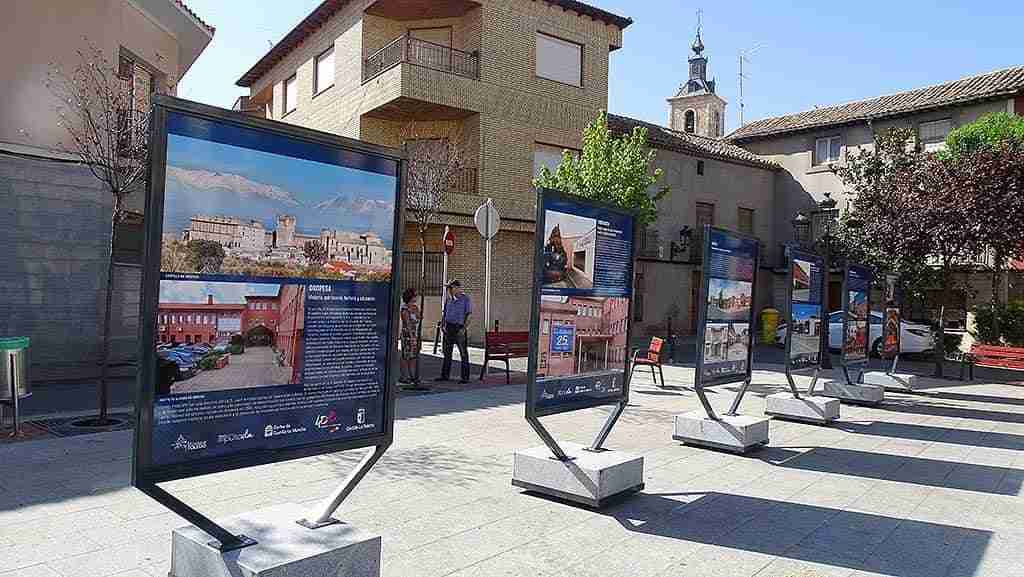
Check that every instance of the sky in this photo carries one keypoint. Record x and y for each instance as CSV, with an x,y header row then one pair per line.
x,y
805,54
187,291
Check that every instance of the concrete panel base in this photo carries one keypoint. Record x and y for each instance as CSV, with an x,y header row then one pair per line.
x,y
857,394
893,382
591,478
738,433
820,410
283,548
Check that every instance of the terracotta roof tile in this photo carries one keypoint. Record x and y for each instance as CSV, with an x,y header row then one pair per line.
x,y
973,88
692,144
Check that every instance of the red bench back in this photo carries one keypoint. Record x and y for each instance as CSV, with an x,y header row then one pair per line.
x,y
1009,357
654,351
506,338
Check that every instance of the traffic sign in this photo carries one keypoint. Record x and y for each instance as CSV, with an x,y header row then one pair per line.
x,y
487,220
449,241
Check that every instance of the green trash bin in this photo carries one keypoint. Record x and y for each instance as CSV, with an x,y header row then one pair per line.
x,y
14,384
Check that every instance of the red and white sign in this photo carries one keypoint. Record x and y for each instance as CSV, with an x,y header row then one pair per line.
x,y
449,241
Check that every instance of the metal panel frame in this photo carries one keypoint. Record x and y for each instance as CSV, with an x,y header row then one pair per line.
x,y
822,286
699,381
532,412
862,363
146,475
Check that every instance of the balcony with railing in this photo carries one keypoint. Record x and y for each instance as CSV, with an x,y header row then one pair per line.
x,y
409,50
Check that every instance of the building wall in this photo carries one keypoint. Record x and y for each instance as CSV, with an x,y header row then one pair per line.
x,y
667,285
50,33
801,184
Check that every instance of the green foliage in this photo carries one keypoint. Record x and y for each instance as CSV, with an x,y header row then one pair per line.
x,y
236,349
237,346
209,362
612,169
1001,325
989,131
205,256
952,342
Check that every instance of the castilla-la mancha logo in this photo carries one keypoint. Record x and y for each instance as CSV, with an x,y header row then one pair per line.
x,y
183,444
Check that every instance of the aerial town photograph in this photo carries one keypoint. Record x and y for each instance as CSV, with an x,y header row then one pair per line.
x,y
511,288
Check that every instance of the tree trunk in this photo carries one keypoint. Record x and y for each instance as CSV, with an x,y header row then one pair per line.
x,y
104,387
940,334
423,297
997,277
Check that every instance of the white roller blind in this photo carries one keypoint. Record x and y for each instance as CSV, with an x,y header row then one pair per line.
x,y
546,155
291,95
559,60
324,71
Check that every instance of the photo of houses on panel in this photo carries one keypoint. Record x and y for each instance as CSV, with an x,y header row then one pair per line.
x,y
569,250
801,281
726,346
729,300
806,337
580,335
236,211
855,340
214,336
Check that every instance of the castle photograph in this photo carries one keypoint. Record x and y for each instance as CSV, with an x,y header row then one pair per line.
x,y
231,211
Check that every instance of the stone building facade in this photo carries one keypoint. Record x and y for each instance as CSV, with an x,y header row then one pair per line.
x,y
55,220
497,78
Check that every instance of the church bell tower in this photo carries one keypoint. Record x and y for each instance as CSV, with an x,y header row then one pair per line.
x,y
696,109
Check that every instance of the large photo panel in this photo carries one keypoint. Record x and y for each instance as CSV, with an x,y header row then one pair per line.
x,y
273,316
730,267
806,320
585,287
856,300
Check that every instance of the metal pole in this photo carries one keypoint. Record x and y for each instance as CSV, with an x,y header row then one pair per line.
x,y
329,505
739,397
826,282
606,429
225,540
545,436
487,271
14,396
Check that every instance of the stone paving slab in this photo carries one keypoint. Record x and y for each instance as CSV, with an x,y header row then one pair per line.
x,y
924,484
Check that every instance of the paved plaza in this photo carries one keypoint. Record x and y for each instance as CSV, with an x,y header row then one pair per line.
x,y
257,367
925,485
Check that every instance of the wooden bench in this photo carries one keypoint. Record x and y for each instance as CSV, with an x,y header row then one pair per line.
x,y
505,346
1000,357
651,357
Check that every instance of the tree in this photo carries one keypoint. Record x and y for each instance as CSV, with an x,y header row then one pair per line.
x,y
434,167
987,155
612,169
205,256
108,127
315,252
913,220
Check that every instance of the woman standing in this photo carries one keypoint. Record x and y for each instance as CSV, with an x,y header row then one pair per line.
x,y
410,337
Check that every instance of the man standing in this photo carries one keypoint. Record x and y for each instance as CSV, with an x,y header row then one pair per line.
x,y
457,309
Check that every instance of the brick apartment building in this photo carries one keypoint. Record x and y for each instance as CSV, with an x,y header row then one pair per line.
x,y
511,82
595,331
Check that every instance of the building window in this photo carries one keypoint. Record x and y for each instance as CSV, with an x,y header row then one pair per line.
x,y
546,328
933,134
548,156
543,359
290,94
745,220
700,168
690,121
827,149
323,77
559,60
718,123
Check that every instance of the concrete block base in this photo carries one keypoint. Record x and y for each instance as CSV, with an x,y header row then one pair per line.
x,y
894,382
590,478
283,548
738,433
820,410
857,394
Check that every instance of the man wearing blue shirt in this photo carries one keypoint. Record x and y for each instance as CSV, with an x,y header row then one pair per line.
x,y
457,308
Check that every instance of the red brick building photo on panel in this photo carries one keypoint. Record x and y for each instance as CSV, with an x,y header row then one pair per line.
x,y
581,335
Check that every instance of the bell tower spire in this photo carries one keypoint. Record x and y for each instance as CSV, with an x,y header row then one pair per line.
x,y
696,108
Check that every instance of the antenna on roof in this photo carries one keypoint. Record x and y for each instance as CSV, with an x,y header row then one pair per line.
x,y
744,56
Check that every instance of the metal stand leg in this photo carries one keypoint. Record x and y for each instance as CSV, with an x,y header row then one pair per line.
x,y
331,503
547,438
224,540
15,403
606,429
792,384
699,389
814,383
739,397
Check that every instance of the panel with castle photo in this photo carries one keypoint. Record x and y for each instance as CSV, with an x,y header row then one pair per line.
x,y
236,211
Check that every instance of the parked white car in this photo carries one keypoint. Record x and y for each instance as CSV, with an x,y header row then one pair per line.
x,y
914,337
